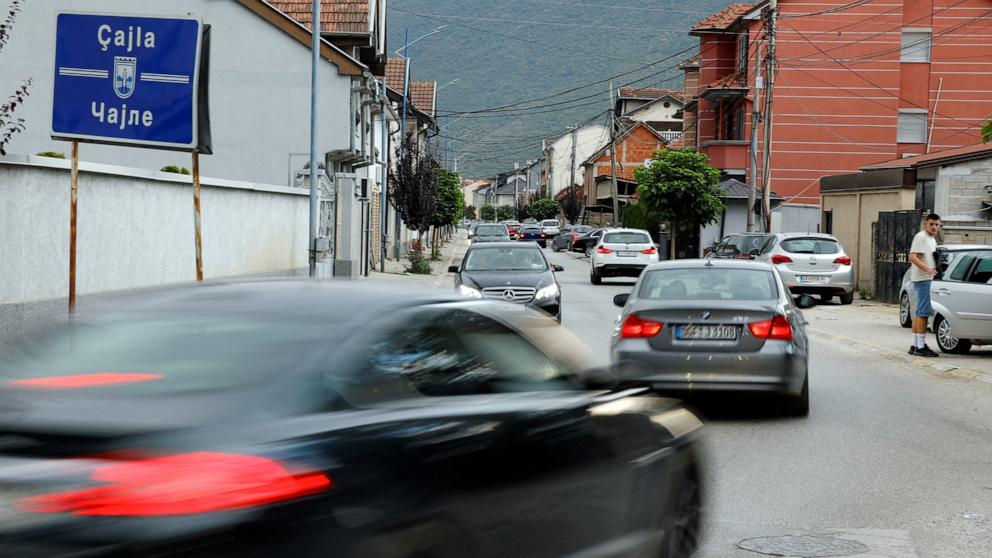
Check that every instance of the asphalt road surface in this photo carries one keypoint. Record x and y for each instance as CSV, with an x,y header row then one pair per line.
x,y
892,457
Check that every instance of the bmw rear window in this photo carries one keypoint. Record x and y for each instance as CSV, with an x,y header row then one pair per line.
x,y
810,246
708,284
490,230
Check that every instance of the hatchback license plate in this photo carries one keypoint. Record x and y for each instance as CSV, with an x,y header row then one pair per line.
x,y
626,254
812,278
706,332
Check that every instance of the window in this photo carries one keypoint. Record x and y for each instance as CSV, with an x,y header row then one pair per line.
x,y
959,266
742,49
709,284
912,126
523,258
915,46
925,195
828,221
982,274
811,246
626,238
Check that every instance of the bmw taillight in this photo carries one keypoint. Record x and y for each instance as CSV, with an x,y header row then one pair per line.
x,y
843,260
603,250
776,328
190,483
651,250
634,327
780,259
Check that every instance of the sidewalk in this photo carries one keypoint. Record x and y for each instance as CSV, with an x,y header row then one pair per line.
x,y
451,254
873,328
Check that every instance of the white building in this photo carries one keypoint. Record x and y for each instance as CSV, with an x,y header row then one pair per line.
x,y
563,166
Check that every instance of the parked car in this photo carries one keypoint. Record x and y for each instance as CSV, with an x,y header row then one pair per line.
x,y
812,263
569,235
491,232
587,242
621,253
513,227
237,420
533,233
961,297
946,254
714,325
742,246
512,272
550,227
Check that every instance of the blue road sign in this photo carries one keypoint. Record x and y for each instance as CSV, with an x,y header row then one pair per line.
x,y
127,80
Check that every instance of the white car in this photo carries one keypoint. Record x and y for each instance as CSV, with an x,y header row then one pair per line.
x,y
961,298
621,253
551,228
811,263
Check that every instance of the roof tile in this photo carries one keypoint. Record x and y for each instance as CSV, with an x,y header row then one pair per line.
x,y
649,93
336,16
422,95
725,17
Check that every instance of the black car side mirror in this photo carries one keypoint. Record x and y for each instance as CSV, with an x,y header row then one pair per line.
x,y
754,253
452,269
557,267
621,299
805,301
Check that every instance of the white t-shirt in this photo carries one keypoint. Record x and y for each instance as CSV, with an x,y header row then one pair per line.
x,y
924,244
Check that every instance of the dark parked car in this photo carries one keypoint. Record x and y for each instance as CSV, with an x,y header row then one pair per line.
x,y
741,246
568,236
512,272
491,233
238,420
587,242
714,325
534,233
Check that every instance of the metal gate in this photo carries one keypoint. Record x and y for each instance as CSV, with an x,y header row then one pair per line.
x,y
894,233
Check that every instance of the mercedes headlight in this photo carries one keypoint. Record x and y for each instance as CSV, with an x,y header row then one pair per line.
x,y
465,290
550,291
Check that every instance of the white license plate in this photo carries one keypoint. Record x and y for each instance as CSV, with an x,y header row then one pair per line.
x,y
626,254
706,332
812,278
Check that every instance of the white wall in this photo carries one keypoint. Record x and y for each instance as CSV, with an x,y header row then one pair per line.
x,y
259,90
135,229
656,112
590,139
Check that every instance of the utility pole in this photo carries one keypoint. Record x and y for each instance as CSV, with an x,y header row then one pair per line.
x,y
766,189
314,166
755,120
614,192
575,145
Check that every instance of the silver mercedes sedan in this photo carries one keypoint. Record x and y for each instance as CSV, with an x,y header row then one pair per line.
x,y
714,325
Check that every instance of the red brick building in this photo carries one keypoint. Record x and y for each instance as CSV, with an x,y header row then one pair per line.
x,y
634,147
857,83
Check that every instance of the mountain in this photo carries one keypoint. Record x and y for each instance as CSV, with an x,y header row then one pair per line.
x,y
503,52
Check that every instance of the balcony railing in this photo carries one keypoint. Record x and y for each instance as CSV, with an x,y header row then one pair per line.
x,y
670,135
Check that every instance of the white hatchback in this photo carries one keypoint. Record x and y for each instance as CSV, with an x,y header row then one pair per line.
x,y
622,253
551,228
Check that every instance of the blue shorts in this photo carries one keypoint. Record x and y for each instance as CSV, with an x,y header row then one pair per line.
x,y
920,299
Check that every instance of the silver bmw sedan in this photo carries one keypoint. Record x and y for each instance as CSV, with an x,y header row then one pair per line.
x,y
714,325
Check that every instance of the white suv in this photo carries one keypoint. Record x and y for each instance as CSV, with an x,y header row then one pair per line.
x,y
622,253
551,228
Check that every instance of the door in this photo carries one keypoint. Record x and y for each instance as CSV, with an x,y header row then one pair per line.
x,y
967,295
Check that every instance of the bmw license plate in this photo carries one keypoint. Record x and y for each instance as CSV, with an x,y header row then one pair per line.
x,y
626,254
706,332
812,278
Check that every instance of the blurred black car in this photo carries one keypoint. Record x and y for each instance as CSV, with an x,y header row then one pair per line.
x,y
568,236
587,242
307,419
491,232
534,233
510,272
741,246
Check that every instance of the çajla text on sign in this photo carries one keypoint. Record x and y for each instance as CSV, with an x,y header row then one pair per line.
x,y
130,39
123,116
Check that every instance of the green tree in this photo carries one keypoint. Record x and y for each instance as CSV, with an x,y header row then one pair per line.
x,y
414,194
488,213
450,206
506,212
987,131
469,212
680,187
544,208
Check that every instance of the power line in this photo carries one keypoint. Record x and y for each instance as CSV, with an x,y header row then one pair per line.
x,y
679,31
833,10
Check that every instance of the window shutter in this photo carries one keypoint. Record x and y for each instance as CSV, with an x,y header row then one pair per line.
x,y
915,46
912,127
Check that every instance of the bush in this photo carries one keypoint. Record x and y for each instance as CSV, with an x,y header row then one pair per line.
x,y
419,265
175,169
52,154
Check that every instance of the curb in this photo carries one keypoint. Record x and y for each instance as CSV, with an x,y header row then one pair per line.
x,y
947,371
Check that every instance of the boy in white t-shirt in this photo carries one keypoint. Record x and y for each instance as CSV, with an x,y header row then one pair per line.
x,y
923,270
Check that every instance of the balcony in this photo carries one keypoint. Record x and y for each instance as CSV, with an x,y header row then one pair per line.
x,y
726,154
670,135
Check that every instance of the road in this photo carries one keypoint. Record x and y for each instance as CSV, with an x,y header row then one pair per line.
x,y
892,457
